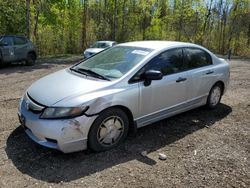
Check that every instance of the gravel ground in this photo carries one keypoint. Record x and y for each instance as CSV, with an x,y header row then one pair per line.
x,y
203,148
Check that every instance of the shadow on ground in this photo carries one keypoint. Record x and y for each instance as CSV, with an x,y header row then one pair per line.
x,y
44,63
53,166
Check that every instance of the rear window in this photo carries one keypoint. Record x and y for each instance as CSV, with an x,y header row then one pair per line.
x,y
195,58
101,45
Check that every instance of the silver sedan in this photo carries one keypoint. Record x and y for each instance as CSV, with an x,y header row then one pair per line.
x,y
97,101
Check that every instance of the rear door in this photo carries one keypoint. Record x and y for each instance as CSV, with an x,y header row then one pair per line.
x,y
201,70
20,48
7,48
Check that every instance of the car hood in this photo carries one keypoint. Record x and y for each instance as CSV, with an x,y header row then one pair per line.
x,y
63,84
94,50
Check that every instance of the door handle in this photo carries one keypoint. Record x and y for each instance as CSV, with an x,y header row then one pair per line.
x,y
210,72
180,79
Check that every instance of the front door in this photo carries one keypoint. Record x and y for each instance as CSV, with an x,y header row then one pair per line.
x,y
167,95
7,49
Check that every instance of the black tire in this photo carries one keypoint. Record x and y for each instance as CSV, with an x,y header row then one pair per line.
x,y
214,96
31,59
2,63
95,140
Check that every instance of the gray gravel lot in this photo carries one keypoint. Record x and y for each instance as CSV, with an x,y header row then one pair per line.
x,y
204,148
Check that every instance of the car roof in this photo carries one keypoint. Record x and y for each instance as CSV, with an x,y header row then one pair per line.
x,y
157,45
104,41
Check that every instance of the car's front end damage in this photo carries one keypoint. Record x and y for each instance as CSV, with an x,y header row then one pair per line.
x,y
64,134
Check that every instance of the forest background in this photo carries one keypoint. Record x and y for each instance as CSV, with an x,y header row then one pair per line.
x,y
70,26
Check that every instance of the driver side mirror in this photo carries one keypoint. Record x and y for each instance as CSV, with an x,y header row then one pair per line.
x,y
152,75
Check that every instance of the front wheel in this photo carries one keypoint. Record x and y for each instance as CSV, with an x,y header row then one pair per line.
x,y
108,130
31,59
2,63
214,96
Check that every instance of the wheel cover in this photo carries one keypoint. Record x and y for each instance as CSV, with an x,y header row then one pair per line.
x,y
110,131
215,96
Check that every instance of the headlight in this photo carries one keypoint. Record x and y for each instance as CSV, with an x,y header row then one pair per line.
x,y
62,112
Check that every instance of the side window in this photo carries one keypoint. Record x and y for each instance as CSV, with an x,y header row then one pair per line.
x,y
6,41
195,58
19,41
168,62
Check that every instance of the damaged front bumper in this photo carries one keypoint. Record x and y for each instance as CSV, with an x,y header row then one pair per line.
x,y
66,135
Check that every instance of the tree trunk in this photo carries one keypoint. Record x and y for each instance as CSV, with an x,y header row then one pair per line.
x,y
36,17
35,31
28,19
248,35
224,32
207,19
122,36
220,25
114,21
180,23
84,24
232,26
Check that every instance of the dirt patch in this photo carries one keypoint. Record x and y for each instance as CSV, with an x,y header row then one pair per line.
x,y
203,148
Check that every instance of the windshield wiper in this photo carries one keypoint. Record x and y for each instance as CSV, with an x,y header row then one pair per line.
x,y
90,72
76,70
93,73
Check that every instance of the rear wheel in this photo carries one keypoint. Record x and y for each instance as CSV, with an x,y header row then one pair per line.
x,y
31,59
214,96
108,130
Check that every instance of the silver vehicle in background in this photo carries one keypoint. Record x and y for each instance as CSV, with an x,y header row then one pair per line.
x,y
98,46
97,101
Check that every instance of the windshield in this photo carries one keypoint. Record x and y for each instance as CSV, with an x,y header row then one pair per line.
x,y
101,45
114,62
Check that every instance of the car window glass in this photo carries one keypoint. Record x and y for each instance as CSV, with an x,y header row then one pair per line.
x,y
19,41
101,45
106,45
196,58
116,61
168,62
6,40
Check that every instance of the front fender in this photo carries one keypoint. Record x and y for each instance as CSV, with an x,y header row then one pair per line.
x,y
101,104
128,98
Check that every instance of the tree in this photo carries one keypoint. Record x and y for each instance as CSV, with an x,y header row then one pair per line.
x,y
70,26
28,18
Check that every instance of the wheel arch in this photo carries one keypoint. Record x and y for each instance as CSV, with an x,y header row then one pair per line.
x,y
222,85
32,52
132,123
